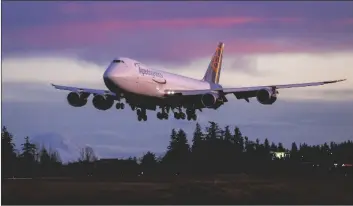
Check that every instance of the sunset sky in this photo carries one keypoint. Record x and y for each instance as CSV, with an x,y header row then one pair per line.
x,y
72,43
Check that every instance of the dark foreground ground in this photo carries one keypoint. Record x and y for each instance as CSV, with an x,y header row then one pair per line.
x,y
222,189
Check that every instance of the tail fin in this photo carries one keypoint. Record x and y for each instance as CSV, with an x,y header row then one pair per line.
x,y
214,68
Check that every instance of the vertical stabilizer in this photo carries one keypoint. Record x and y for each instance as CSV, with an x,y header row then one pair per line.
x,y
214,68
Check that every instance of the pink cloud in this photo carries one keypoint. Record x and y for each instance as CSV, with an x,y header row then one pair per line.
x,y
347,21
92,8
78,33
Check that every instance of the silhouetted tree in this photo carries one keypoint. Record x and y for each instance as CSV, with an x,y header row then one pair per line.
x,y
28,151
87,155
215,150
8,154
197,138
280,147
294,153
238,140
178,151
149,159
28,156
273,147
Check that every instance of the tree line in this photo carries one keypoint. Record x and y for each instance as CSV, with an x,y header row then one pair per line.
x,y
213,150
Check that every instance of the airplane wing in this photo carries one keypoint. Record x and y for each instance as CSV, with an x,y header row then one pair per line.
x,y
84,90
245,92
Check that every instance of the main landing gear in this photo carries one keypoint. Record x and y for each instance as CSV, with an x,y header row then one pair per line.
x,y
163,114
179,114
191,114
141,114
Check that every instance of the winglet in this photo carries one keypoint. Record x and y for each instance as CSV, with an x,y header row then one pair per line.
x,y
335,81
55,86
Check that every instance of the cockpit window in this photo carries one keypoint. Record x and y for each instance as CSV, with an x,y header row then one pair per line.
x,y
118,61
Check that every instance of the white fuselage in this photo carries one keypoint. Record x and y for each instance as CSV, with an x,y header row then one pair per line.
x,y
134,77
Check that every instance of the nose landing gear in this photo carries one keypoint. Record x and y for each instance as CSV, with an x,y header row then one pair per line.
x,y
120,105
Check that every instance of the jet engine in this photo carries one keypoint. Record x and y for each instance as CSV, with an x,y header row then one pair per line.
x,y
209,100
102,102
266,96
76,99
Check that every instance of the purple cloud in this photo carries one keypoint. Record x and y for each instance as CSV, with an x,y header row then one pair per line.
x,y
175,30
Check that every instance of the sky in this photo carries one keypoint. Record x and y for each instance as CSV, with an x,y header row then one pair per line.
x,y
72,43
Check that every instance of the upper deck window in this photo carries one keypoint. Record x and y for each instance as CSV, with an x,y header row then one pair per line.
x,y
118,61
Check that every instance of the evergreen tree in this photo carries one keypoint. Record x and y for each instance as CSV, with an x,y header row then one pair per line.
x,y
28,157
267,145
7,145
178,148
280,147
29,151
257,144
8,154
213,132
273,147
148,162
173,140
183,145
228,137
149,159
44,156
238,141
197,138
294,148
54,157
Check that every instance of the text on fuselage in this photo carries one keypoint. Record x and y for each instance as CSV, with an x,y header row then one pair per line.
x,y
150,73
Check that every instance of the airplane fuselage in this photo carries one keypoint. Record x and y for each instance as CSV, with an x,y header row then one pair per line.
x,y
130,76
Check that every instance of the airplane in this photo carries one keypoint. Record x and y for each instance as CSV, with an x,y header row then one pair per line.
x,y
145,88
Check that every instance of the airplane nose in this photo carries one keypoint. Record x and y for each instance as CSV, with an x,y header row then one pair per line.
x,y
108,78
108,72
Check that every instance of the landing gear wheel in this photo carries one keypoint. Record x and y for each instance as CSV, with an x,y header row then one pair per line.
x,y
165,115
159,115
139,118
120,105
182,115
176,115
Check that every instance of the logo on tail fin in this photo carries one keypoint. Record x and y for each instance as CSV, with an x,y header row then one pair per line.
x,y
213,71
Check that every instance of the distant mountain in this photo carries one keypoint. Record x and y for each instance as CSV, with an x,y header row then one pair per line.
x,y
68,150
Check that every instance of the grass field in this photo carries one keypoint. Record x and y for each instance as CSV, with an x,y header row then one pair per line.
x,y
223,189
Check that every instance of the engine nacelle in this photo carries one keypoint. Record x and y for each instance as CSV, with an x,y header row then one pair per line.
x,y
102,102
209,100
266,96
76,99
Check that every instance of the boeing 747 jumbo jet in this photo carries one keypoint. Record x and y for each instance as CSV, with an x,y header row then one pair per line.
x,y
145,88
